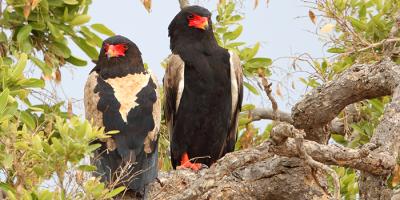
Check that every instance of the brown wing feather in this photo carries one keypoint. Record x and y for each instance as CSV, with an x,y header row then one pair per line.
x,y
173,88
91,99
237,98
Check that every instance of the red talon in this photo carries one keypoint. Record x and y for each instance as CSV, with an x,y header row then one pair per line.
x,y
186,164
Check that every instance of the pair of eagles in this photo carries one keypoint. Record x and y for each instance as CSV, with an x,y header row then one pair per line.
x,y
202,99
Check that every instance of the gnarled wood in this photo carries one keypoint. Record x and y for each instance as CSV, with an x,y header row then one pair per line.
x,y
359,82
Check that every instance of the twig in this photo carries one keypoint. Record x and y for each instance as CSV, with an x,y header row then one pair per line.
x,y
374,45
268,91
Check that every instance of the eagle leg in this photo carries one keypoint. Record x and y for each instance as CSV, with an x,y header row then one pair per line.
x,y
186,164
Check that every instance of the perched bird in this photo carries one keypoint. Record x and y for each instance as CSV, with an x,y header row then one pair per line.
x,y
120,94
203,91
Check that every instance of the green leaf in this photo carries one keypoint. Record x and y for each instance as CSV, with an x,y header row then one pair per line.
x,y
79,20
23,33
93,147
60,49
89,50
76,61
251,88
248,53
20,66
260,61
45,69
362,13
87,168
115,192
71,2
336,50
234,34
28,119
55,32
102,29
91,37
234,44
7,161
248,107
32,83
6,187
359,25
26,46
339,139
4,100
3,37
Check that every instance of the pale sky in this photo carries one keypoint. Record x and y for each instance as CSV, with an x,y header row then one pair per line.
x,y
277,26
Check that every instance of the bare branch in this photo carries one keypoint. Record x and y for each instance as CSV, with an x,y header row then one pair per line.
x,y
268,91
266,113
357,83
379,163
336,126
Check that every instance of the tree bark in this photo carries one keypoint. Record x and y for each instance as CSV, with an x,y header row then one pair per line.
x,y
247,174
387,138
359,82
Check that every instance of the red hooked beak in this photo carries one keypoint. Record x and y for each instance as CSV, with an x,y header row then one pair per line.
x,y
116,50
198,21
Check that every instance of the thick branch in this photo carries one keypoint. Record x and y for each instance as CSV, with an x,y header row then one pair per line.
x,y
387,137
248,174
336,126
360,82
379,163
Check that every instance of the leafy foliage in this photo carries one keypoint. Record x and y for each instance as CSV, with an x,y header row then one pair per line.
x,y
39,142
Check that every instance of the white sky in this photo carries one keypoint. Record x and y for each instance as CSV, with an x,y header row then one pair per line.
x,y
277,26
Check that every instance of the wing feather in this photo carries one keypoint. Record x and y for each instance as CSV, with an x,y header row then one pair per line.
x,y
91,99
173,88
237,98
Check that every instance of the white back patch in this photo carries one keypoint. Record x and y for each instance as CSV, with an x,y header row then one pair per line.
x,y
125,90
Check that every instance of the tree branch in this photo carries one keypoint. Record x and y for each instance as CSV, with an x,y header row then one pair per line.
x,y
387,137
336,126
378,163
266,113
247,174
359,82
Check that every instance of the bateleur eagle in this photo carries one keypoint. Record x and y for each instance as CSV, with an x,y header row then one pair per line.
x,y
120,94
203,91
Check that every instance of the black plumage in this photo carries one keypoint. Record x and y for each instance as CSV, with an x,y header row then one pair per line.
x,y
203,90
121,95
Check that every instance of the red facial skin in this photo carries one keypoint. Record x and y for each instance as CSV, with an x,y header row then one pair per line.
x,y
115,50
186,164
198,21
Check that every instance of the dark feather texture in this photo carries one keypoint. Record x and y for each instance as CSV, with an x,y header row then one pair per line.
x,y
201,103
121,95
